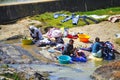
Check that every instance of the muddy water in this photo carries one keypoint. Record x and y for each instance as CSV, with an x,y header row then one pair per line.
x,y
76,71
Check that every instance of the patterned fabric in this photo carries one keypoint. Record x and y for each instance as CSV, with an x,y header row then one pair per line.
x,y
54,32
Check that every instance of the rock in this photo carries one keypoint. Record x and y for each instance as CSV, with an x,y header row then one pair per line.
x,y
15,37
22,75
36,62
4,66
7,61
41,76
38,76
110,71
10,54
2,78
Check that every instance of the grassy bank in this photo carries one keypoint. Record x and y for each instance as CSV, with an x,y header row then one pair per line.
x,y
47,18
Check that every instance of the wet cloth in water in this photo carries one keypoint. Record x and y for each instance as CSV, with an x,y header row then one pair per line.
x,y
79,56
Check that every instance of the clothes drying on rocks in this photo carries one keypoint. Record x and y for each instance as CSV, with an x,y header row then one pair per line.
x,y
56,15
66,18
75,18
89,18
114,18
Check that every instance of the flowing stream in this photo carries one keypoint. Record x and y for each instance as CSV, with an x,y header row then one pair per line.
x,y
77,71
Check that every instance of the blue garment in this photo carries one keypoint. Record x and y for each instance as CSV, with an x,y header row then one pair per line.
x,y
67,18
108,51
89,49
96,47
79,59
85,17
75,20
56,15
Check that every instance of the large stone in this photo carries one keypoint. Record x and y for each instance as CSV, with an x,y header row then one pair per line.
x,y
110,71
11,54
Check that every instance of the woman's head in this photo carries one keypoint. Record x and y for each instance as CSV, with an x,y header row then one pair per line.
x,y
97,39
32,28
71,41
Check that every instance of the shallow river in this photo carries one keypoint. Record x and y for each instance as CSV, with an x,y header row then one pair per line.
x,y
77,71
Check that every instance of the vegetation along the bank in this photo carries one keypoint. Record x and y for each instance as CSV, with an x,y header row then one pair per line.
x,y
47,18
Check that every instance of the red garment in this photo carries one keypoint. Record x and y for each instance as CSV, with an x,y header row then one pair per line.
x,y
72,37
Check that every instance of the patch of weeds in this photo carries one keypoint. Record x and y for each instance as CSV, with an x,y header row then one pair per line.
x,y
117,41
4,66
13,76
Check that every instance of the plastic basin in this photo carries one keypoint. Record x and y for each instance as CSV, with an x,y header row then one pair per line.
x,y
64,59
26,41
83,37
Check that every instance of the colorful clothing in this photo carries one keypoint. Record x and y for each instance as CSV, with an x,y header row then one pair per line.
x,y
96,49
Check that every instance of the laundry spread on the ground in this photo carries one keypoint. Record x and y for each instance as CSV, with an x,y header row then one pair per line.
x,y
75,18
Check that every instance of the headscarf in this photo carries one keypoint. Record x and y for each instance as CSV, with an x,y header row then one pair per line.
x,y
32,27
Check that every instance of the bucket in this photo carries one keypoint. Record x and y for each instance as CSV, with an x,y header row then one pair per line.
x,y
64,59
26,41
83,37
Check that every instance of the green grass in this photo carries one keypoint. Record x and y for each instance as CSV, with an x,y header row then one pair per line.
x,y
13,76
117,41
48,20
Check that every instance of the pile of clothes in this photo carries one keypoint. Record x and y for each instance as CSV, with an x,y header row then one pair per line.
x,y
114,18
